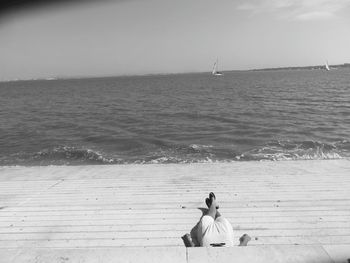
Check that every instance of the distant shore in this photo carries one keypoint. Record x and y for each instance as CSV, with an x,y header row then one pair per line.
x,y
317,67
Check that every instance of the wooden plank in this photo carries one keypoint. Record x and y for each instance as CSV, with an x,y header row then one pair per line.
x,y
242,205
177,213
272,254
252,227
171,233
135,255
172,220
94,243
168,241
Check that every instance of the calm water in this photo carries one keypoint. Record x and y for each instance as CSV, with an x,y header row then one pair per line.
x,y
242,116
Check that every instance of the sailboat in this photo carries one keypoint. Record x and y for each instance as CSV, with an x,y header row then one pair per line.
x,y
215,71
327,66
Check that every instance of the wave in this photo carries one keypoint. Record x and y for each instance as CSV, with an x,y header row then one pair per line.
x,y
304,150
72,154
193,153
60,155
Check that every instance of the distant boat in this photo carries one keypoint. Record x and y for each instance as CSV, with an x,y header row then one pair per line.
x,y
215,71
327,66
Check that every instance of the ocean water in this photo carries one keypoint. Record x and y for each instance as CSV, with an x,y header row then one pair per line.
x,y
180,118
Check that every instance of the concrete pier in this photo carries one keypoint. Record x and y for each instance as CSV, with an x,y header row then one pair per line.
x,y
295,211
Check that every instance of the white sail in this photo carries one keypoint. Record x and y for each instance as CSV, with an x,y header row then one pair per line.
x,y
215,71
327,66
214,68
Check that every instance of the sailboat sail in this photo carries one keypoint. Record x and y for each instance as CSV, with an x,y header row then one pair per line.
x,y
214,68
215,71
327,66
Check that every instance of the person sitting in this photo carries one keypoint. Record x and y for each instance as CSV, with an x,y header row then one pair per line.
x,y
214,230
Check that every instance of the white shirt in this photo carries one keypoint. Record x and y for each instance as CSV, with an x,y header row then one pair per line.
x,y
218,231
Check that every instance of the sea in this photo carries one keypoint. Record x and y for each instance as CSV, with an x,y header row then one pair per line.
x,y
243,116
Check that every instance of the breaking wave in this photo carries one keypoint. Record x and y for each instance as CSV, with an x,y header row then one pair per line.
x,y
61,155
193,153
306,150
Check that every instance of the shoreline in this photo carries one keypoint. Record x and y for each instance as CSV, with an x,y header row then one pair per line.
x,y
183,163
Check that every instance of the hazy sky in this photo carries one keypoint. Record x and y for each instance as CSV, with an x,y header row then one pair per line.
x,y
115,37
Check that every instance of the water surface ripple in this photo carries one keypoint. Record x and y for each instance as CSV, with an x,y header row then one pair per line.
x,y
241,116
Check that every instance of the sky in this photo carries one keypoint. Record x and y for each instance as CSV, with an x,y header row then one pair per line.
x,y
133,37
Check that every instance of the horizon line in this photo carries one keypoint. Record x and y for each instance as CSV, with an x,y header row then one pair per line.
x,y
50,78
